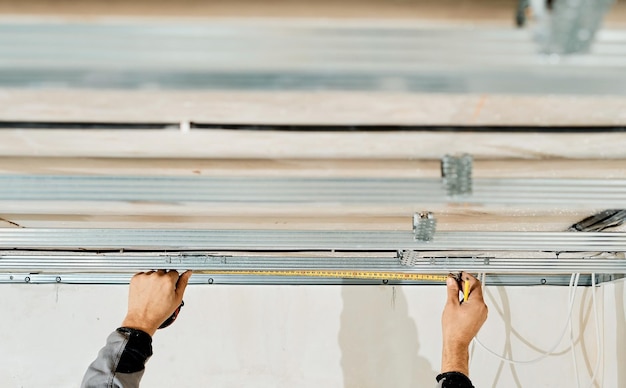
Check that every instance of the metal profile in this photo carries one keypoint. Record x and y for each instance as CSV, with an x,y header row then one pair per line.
x,y
519,264
117,268
214,279
271,190
424,225
305,55
456,172
110,256
306,240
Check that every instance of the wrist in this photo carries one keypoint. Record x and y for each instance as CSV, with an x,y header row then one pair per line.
x,y
455,358
139,324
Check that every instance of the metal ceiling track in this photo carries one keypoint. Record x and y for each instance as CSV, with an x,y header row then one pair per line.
x,y
322,257
220,279
112,255
306,240
307,55
460,188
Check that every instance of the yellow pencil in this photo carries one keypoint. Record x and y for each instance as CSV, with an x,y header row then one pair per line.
x,y
466,290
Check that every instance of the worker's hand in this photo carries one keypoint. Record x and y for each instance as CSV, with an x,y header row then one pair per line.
x,y
461,322
153,297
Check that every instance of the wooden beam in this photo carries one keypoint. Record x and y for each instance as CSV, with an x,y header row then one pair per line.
x,y
224,144
278,107
389,168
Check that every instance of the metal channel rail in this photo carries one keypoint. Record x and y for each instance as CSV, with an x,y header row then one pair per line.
x,y
257,54
306,240
324,257
544,192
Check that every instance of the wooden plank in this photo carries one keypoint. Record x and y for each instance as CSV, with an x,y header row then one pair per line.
x,y
389,168
283,216
223,144
458,10
309,107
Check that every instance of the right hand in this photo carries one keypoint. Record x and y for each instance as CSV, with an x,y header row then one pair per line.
x,y
461,322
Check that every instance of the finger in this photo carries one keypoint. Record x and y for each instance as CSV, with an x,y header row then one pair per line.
x,y
172,280
181,285
476,290
453,290
136,277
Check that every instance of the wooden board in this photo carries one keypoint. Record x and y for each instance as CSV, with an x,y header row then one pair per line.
x,y
389,168
278,107
458,10
107,215
223,144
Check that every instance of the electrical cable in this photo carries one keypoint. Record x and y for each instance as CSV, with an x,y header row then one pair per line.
x,y
573,285
571,338
597,330
598,340
574,281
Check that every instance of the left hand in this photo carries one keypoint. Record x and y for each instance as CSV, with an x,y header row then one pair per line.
x,y
153,297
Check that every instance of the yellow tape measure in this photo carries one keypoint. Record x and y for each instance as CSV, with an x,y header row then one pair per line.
x,y
333,274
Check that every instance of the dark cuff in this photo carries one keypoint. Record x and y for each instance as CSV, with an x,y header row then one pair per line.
x,y
137,351
454,380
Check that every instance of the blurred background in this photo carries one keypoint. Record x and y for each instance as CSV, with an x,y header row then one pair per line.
x,y
488,46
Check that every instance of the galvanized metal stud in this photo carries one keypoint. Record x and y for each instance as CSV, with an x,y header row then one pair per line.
x,y
456,172
424,226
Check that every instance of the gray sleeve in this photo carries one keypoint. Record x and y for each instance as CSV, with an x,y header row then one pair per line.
x,y
120,363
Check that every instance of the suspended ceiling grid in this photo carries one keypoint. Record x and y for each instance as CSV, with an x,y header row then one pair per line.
x,y
35,144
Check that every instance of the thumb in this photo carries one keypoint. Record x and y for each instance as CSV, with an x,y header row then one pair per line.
x,y
181,285
453,290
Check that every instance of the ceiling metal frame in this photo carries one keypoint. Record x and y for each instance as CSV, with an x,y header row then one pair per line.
x,y
218,279
103,255
111,255
484,191
305,240
520,263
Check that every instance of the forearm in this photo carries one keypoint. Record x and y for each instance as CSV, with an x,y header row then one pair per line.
x,y
460,322
454,367
120,363
455,358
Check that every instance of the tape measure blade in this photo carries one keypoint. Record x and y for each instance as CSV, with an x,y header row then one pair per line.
x,y
332,274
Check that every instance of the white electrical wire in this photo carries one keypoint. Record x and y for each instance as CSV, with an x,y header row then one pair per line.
x,y
573,285
574,280
595,320
597,330
571,337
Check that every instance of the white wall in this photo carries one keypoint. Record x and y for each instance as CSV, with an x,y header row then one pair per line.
x,y
297,336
